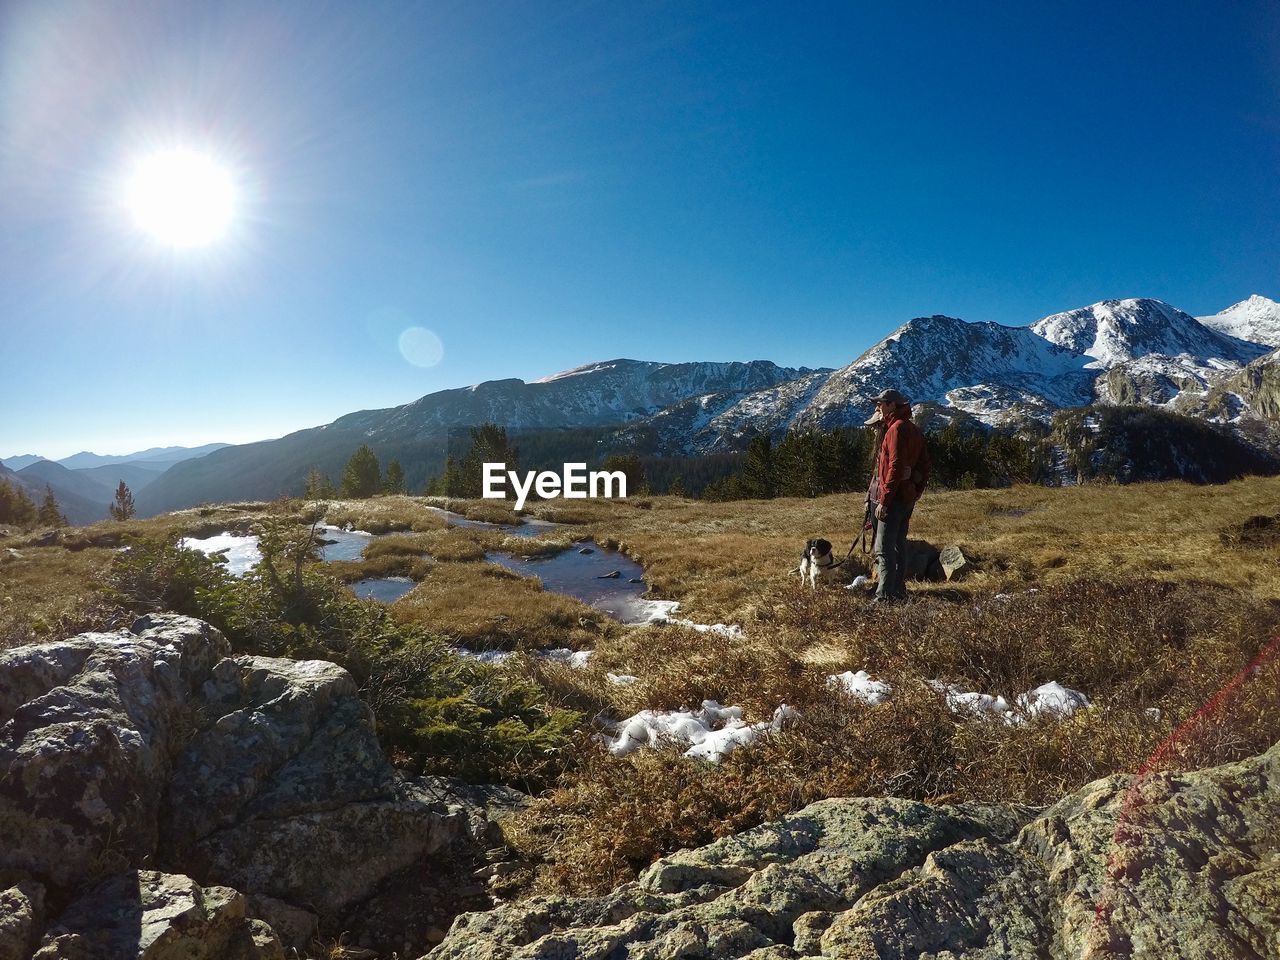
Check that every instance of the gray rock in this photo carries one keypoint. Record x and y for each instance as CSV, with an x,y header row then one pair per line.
x,y
1170,865
295,927
87,727
330,859
21,916
922,561
954,563
145,915
154,748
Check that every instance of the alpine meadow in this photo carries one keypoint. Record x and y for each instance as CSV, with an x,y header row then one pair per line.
x,y
635,482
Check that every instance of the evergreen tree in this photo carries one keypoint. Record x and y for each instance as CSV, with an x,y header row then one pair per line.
x,y
123,507
319,487
630,466
677,488
757,479
465,477
394,482
361,476
50,514
16,506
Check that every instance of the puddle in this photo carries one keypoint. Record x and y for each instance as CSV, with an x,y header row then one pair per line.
x,y
531,527
346,545
383,589
584,576
241,552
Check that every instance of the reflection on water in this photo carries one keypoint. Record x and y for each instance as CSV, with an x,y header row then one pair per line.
x,y
383,589
604,579
346,544
531,527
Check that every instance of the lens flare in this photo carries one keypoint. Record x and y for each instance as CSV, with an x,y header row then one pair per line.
x,y
421,347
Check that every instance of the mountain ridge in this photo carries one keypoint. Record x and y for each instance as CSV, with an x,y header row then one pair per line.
x,y
1137,350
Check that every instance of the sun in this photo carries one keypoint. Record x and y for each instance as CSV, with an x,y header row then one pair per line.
x,y
181,197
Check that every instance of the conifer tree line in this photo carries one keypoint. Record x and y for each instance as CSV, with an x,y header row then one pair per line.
x,y
965,455
362,477
840,461
17,507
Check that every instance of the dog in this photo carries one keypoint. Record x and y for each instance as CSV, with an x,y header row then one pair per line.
x,y
817,563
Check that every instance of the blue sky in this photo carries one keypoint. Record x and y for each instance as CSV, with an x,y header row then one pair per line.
x,y
546,184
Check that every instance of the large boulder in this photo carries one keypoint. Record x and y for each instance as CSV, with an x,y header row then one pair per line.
x,y
1161,866
144,915
154,748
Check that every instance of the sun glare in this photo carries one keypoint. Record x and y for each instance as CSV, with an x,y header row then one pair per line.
x,y
181,198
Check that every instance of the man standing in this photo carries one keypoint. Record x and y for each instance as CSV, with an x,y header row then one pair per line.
x,y
902,469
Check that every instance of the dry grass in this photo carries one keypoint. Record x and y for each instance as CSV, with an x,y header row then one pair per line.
x,y
47,593
384,514
482,606
1147,597
1132,647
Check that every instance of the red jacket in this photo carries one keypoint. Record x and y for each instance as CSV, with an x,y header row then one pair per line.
x,y
902,451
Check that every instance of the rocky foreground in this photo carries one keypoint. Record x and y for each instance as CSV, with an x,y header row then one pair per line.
x,y
162,799
1168,866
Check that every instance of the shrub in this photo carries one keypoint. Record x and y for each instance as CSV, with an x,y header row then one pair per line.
x,y
437,712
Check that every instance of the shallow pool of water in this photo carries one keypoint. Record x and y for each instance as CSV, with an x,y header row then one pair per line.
x,y
346,545
585,576
531,527
383,589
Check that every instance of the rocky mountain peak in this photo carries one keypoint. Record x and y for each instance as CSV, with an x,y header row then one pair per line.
x,y
1117,331
1256,319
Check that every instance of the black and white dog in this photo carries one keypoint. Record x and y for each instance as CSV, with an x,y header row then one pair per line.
x,y
817,562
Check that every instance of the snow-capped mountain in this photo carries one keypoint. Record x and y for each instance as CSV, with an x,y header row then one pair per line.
x,y
1117,331
594,395
961,364
615,391
1116,351
1256,320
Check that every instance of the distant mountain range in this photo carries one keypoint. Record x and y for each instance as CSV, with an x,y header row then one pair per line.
x,y
84,484
1224,368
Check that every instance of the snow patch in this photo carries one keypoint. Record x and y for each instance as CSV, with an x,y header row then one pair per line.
x,y
710,733
577,659
660,612
860,686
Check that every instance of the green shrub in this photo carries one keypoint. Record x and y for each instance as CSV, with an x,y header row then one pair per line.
x,y
437,712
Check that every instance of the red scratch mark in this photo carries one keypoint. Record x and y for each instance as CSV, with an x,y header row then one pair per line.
x,y
1125,834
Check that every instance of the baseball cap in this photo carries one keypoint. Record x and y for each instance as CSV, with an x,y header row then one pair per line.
x,y
892,396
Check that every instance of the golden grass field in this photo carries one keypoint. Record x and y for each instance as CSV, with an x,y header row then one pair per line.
x,y
1146,597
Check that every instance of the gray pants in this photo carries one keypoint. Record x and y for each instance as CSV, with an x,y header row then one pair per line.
x,y
891,552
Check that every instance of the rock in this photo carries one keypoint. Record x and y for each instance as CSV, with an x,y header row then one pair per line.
x,y
922,561
1166,865
152,748
145,915
954,563
330,859
295,927
87,727
611,575
586,550
21,916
